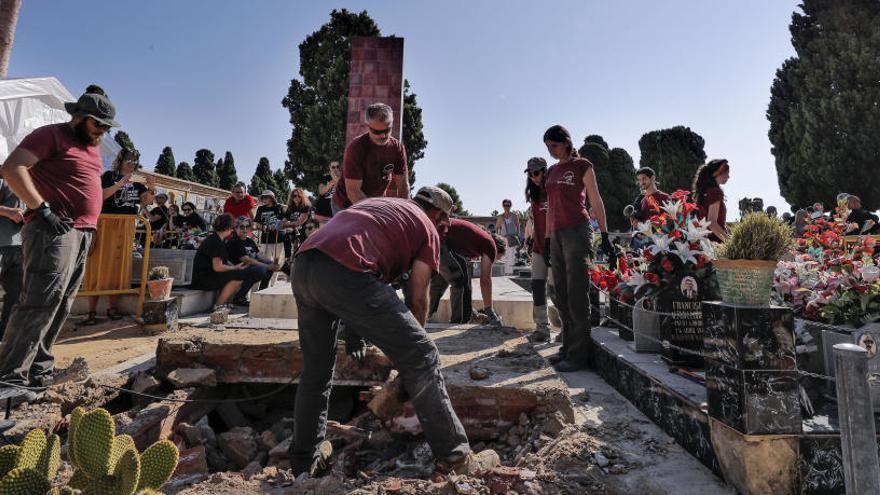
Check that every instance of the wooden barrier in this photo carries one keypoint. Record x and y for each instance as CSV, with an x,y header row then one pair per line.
x,y
108,269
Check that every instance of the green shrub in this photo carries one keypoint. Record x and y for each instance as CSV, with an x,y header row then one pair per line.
x,y
159,273
757,237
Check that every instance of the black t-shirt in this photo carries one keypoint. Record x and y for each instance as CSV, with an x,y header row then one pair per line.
x,y
861,217
212,247
322,205
194,220
125,201
268,217
164,213
238,247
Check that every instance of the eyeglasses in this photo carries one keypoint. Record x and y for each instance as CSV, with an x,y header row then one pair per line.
x,y
506,205
380,132
99,125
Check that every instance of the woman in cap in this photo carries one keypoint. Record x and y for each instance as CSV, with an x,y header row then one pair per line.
x,y
710,198
536,195
268,219
569,183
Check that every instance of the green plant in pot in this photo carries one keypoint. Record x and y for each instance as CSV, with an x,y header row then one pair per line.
x,y
159,283
748,258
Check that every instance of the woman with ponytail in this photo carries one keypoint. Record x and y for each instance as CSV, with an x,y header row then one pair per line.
x,y
536,195
710,198
569,183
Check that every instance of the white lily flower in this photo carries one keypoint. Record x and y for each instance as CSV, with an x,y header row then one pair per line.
x,y
660,244
645,228
708,248
696,233
684,252
672,208
635,279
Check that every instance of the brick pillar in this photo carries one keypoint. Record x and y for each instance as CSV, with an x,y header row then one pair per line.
x,y
376,77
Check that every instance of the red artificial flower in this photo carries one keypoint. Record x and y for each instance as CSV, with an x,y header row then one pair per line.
x,y
675,234
667,266
701,261
649,257
652,278
680,195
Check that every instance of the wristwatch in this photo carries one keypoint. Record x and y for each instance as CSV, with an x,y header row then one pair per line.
x,y
43,205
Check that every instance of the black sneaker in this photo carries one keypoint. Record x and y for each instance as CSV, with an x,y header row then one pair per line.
x,y
567,366
555,358
538,336
241,302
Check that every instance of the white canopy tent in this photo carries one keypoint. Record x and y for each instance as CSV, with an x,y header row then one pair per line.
x,y
26,104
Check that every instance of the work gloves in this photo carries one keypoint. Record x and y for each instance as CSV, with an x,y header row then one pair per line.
x,y
53,222
494,318
547,251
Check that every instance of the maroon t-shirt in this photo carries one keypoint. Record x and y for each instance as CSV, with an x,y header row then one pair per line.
x,y
710,196
651,205
469,240
566,194
371,163
539,216
68,174
240,208
379,235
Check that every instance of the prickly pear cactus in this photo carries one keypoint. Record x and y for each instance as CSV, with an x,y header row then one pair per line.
x,y
158,463
24,481
30,450
92,443
8,455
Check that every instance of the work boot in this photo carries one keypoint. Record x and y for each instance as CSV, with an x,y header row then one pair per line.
x,y
542,324
471,463
494,318
555,358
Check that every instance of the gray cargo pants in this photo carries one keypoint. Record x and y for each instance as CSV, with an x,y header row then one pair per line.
x,y
326,291
569,256
11,274
454,271
53,272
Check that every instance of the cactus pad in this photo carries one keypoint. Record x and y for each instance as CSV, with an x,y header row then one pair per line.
x,y
8,456
75,417
31,449
24,481
121,444
128,472
158,463
93,441
79,480
50,457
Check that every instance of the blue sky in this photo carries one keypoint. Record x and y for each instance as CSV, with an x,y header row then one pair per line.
x,y
491,76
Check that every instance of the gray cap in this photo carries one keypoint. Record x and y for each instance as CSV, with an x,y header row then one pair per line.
x,y
267,194
436,197
95,106
535,163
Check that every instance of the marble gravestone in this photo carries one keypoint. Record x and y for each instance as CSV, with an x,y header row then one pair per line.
x,y
751,370
683,326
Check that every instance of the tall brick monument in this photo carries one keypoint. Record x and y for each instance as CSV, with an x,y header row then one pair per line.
x,y
376,76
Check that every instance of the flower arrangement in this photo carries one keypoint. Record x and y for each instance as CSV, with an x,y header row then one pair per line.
x,y
675,244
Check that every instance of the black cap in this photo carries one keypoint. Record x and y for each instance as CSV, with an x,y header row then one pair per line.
x,y
535,163
95,106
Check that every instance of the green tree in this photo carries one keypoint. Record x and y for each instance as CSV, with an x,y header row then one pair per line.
x,y
282,185
203,168
122,138
413,131
318,103
185,172
457,207
615,176
226,174
165,163
263,178
824,109
675,154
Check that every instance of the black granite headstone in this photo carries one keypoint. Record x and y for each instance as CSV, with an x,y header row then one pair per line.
x,y
160,316
754,401
683,326
749,337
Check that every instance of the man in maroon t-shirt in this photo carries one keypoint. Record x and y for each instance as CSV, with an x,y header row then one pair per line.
x,y
374,163
650,202
343,272
56,171
461,242
240,204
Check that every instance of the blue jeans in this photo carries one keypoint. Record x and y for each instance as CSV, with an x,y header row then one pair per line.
x,y
326,291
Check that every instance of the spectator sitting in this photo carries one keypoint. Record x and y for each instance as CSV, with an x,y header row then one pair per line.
x,y
800,222
859,221
243,250
122,196
240,204
190,220
268,218
212,270
159,216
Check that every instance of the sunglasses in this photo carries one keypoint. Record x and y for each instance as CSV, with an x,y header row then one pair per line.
x,y
506,205
99,125
536,173
380,132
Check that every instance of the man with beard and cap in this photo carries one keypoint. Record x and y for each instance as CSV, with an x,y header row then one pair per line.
x,y
345,270
56,171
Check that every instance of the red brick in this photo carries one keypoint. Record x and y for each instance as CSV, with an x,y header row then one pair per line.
x,y
369,54
381,91
368,91
369,67
371,78
355,78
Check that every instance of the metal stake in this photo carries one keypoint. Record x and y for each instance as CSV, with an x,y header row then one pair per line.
x,y
858,436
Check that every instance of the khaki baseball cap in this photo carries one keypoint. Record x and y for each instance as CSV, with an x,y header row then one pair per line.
x,y
436,197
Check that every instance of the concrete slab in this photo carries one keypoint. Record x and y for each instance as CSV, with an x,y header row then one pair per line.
x,y
189,302
512,302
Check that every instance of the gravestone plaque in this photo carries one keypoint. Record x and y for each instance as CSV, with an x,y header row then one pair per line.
x,y
683,325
